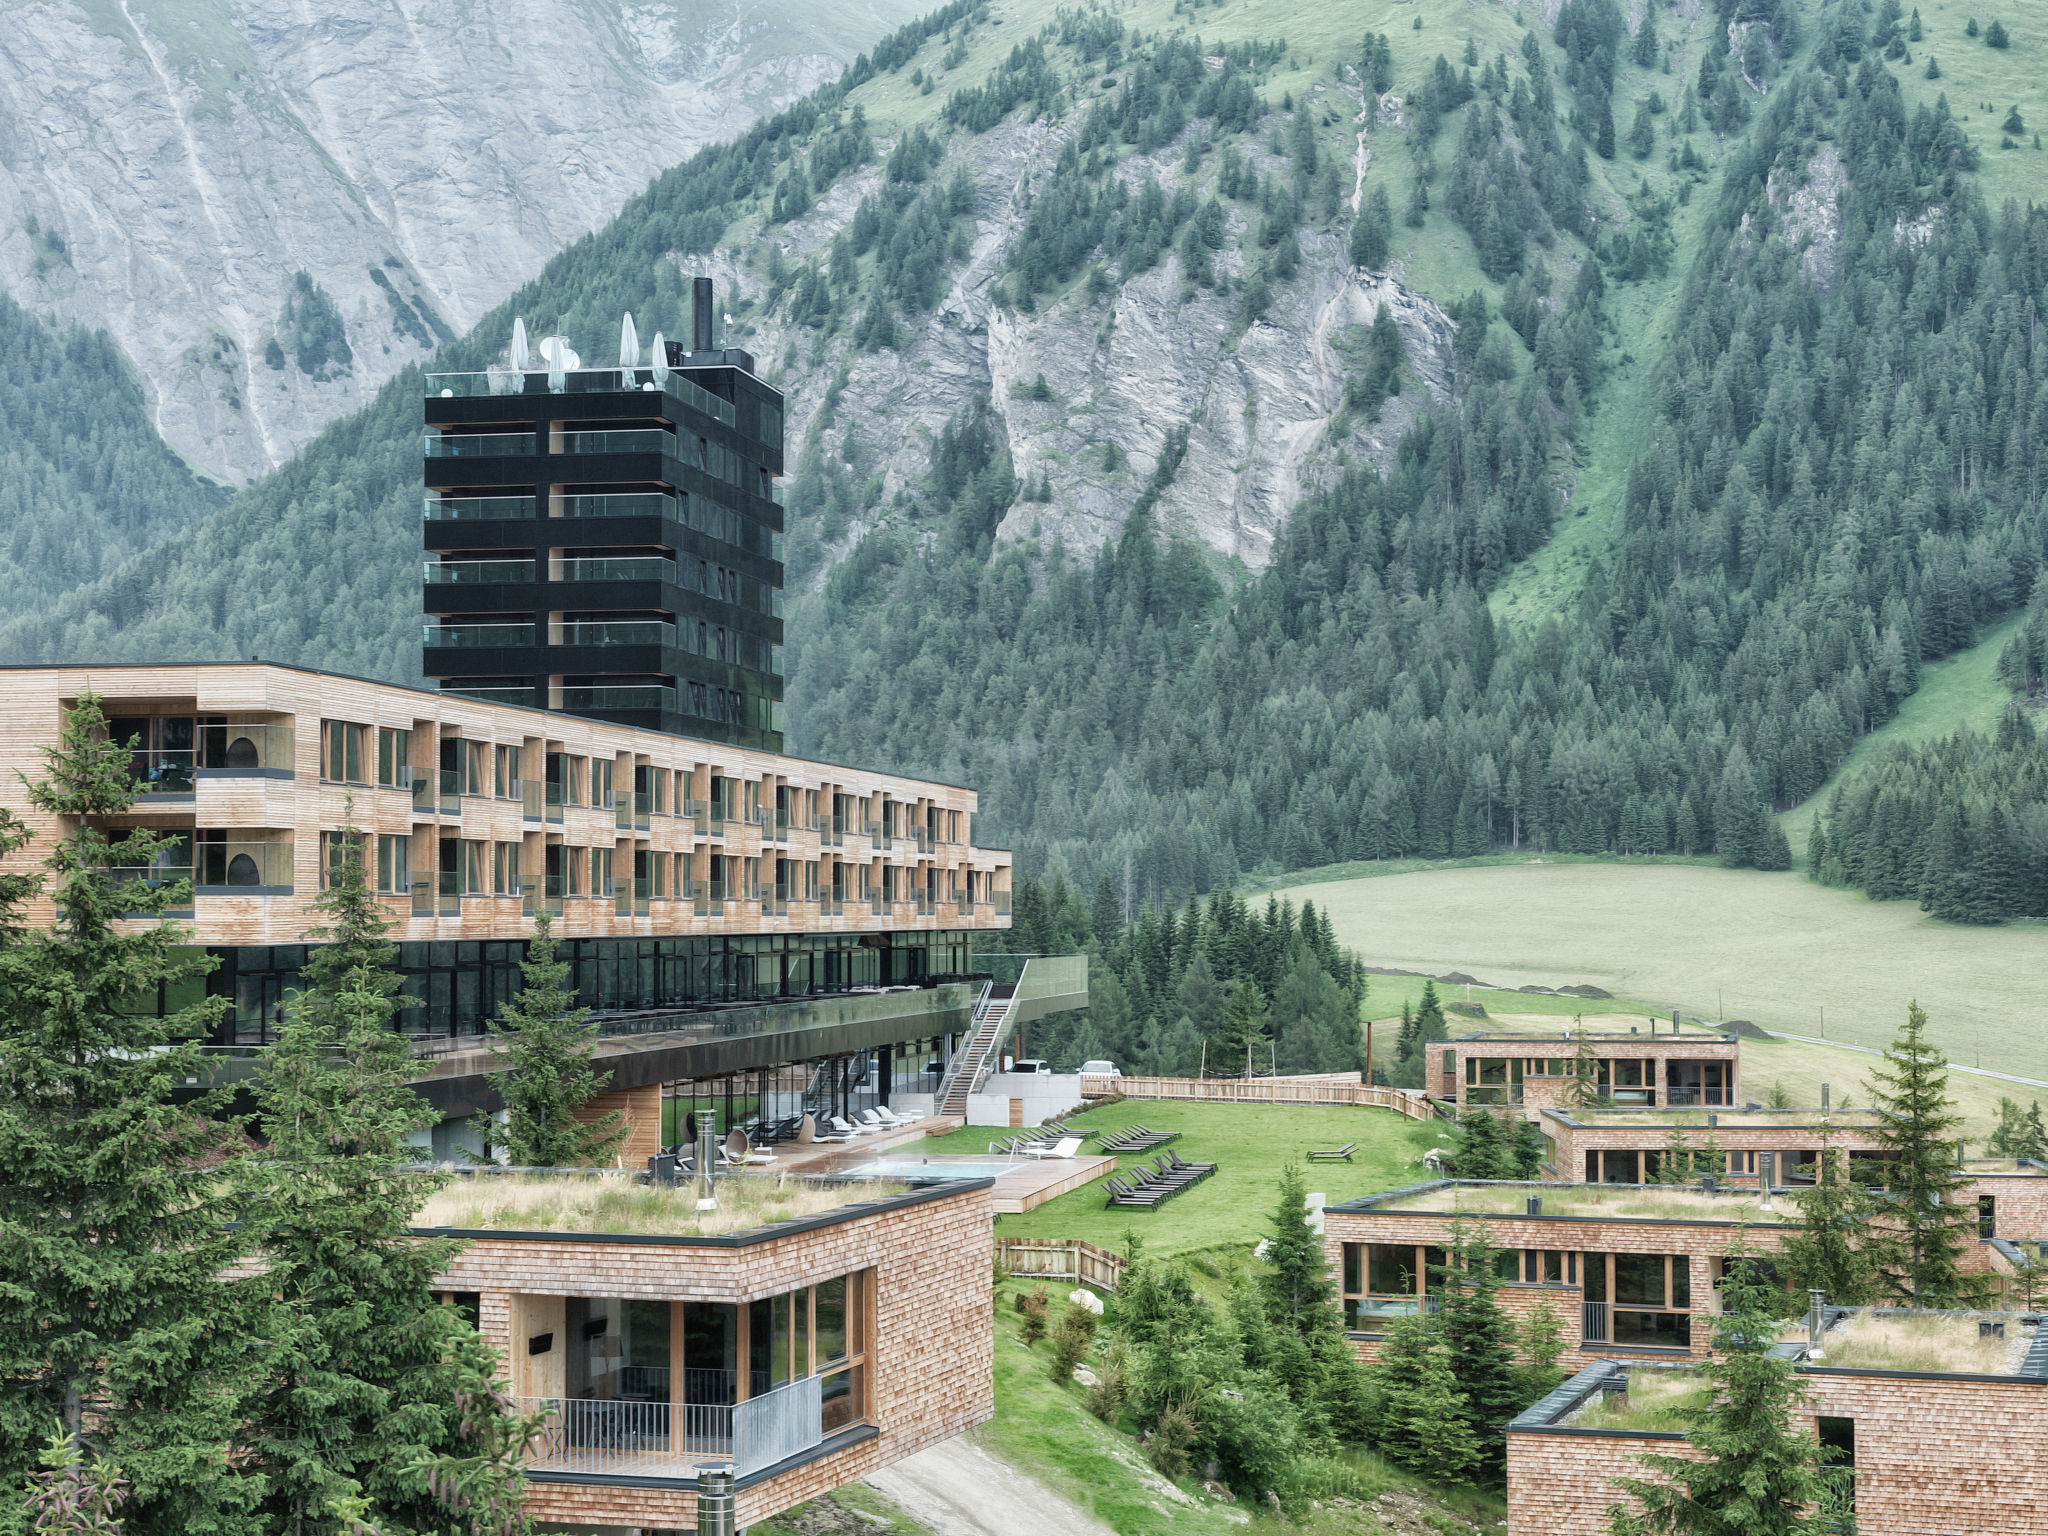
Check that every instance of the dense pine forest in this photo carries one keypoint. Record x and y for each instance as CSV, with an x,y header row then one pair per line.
x,y
1837,479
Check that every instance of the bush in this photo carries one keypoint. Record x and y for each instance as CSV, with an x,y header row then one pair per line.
x,y
1070,1340
1995,37
1112,1389
1172,1435
1031,1311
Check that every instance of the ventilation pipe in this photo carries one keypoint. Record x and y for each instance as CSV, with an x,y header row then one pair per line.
x,y
700,310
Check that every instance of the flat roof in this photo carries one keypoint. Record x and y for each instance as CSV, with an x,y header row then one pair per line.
x,y
1594,1037
1724,1119
1573,1202
1929,1343
437,693
751,1206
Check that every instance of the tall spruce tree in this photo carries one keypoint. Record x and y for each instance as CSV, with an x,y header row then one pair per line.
x,y
362,1367
1423,1422
1756,1474
546,1046
1925,1224
1479,1339
1826,1251
1297,1280
117,1216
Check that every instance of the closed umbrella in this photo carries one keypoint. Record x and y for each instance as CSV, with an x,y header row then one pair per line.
x,y
660,361
520,359
629,351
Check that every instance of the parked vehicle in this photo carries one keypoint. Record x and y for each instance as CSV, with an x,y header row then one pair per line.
x,y
1099,1069
1030,1064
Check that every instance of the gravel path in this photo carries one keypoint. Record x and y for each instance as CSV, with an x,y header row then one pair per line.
x,y
958,1489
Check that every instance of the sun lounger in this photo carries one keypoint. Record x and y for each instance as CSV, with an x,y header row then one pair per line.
x,y
1334,1153
1066,1146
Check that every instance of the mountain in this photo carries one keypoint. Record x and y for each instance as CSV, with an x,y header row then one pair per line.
x,y
273,208
1240,439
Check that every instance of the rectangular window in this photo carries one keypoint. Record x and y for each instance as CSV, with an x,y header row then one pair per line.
x,y
342,749
476,867
394,755
1987,1217
572,865
1553,1268
392,868
505,869
600,872
476,762
335,849
506,776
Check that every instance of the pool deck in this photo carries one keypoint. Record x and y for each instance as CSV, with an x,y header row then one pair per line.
x,y
1023,1185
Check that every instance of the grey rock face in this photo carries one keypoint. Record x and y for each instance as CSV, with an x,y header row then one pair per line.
x,y
1263,404
165,170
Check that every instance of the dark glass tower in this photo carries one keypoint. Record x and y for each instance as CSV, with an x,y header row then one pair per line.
x,y
608,542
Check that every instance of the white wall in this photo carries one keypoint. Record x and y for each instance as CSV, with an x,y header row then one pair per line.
x,y
1046,1096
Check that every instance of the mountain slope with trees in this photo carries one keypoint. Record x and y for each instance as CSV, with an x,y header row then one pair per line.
x,y
951,257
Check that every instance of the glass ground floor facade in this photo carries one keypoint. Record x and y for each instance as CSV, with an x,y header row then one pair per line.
x,y
841,1085
459,986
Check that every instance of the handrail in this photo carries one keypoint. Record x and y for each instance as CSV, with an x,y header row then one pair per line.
x,y
579,381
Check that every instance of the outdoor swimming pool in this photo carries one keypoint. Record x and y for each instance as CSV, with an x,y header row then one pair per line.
x,y
935,1167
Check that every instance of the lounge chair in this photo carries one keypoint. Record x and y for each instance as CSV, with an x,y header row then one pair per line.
x,y
738,1151
1066,1146
847,1128
1334,1153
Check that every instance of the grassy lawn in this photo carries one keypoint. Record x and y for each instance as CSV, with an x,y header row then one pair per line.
x,y
1248,1142
1717,943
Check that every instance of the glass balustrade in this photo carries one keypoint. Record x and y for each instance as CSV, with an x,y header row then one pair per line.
x,y
469,573
578,381
612,632
478,509
239,863
620,440
617,504
529,795
614,696
241,747
507,694
616,568
451,792
479,445
475,636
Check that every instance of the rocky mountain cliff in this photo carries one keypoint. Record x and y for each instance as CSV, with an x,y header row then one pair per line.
x,y
273,207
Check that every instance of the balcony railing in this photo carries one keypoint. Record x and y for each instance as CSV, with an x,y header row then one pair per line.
x,y
451,792
469,573
422,791
229,749
480,509
584,1435
620,440
436,893
1594,1325
472,636
1698,1098
528,793
631,898
578,381
1002,903
617,568
553,798
614,696
479,445
643,810
168,771
520,695
228,867
618,504
613,632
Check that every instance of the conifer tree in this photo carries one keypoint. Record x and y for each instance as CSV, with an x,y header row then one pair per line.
x,y
1297,1280
547,1076
1759,1476
1238,1047
1479,1338
1926,1226
1825,1252
116,1329
1583,1091
1424,1423
363,1368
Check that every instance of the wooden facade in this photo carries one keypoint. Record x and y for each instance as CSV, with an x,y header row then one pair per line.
x,y
476,814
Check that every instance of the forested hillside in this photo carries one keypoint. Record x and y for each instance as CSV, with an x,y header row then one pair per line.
x,y
1169,406
85,480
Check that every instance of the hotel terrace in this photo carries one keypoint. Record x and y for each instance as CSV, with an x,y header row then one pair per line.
x,y
1936,1419
801,1337
1528,1073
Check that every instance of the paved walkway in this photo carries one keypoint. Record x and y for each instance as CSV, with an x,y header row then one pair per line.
x,y
959,1489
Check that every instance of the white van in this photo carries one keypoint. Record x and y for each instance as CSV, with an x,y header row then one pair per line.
x,y
1099,1069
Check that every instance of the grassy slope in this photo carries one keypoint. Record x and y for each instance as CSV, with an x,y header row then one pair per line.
x,y
1717,943
1956,691
1249,1143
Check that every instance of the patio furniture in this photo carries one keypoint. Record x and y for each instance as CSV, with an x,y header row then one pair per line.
x,y
1334,1153
1066,1146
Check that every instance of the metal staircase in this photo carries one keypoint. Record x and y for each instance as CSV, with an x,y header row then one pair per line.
x,y
990,1025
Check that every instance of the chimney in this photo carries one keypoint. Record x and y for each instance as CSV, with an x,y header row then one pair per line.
x,y
700,306
1535,1205
1823,1098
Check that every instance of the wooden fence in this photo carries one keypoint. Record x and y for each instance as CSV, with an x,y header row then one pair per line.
x,y
1060,1259
1261,1090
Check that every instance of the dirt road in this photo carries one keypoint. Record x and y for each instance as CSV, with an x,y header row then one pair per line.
x,y
958,1489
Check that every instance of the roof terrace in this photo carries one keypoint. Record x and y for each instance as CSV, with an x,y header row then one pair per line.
x,y
1625,1118
626,1203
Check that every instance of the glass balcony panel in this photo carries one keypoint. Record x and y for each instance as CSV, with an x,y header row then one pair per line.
x,y
492,695
479,445
451,792
226,866
613,632
239,747
615,696
615,568
421,886
478,509
469,573
529,798
579,381
620,440
622,504
471,636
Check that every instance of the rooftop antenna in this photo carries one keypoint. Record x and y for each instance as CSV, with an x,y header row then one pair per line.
x,y
520,357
